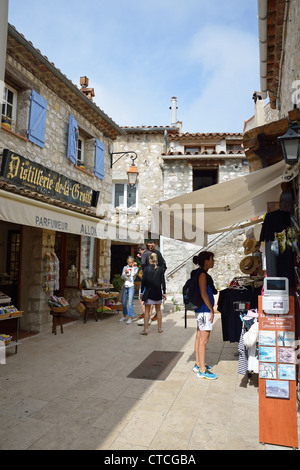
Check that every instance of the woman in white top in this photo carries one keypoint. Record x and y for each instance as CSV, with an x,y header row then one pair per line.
x,y
129,274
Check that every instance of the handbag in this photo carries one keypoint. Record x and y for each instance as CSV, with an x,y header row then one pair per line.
x,y
146,293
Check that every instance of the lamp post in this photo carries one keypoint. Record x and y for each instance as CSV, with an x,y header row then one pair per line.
x,y
290,143
132,173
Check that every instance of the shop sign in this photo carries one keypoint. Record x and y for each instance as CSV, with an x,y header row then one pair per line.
x,y
31,175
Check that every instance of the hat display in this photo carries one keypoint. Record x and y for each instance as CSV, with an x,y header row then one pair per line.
x,y
249,264
250,245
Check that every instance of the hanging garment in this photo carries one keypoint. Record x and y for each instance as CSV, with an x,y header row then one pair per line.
x,y
231,322
243,357
277,234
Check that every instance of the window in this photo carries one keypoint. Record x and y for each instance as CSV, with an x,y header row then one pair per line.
x,y
88,262
9,108
13,259
80,151
124,196
234,148
204,178
72,260
192,150
89,150
210,149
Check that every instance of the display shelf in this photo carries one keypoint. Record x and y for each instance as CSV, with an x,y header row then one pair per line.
x,y
14,343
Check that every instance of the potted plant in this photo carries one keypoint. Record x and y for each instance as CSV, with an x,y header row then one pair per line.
x,y
118,282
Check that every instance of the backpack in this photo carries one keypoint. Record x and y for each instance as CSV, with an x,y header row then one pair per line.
x,y
191,296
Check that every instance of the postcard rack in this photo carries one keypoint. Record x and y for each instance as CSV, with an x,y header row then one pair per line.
x,y
277,378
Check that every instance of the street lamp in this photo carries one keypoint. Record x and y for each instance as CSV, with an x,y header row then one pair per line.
x,y
290,143
132,173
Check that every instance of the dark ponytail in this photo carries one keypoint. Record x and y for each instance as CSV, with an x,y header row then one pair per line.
x,y
202,257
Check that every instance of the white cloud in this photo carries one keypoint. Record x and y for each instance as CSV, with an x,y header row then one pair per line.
x,y
228,61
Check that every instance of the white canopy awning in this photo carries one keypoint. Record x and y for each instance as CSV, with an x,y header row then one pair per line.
x,y
219,207
18,209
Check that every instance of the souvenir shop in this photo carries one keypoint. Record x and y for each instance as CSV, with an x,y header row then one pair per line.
x,y
38,263
260,309
45,251
260,313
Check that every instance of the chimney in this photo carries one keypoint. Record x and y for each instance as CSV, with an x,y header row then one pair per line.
x,y
174,108
89,92
259,109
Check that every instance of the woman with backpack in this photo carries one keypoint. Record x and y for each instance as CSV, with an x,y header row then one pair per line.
x,y
205,313
153,291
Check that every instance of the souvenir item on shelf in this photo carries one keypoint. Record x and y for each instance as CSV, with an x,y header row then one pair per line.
x,y
55,301
5,338
50,272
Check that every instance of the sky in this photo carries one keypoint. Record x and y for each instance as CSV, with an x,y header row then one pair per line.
x,y
138,54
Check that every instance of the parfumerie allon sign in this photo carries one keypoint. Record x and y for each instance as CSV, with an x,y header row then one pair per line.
x,y
26,173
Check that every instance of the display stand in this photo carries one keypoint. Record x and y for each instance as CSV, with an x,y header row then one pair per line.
x,y
17,316
277,378
90,308
57,313
104,296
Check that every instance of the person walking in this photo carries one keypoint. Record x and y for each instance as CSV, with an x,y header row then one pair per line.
x,y
153,282
151,248
129,274
205,313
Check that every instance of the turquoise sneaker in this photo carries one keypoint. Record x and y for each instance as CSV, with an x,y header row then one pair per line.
x,y
207,375
196,368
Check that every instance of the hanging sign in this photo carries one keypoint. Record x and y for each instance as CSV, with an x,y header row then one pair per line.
x,y
23,172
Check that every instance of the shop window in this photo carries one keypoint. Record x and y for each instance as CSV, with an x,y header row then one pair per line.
x,y
13,258
72,260
203,178
88,262
125,197
9,108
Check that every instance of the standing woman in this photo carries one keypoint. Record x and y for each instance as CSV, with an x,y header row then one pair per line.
x,y
204,314
153,280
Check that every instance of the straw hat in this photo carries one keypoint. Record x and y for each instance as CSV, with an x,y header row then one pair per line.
x,y
250,245
249,264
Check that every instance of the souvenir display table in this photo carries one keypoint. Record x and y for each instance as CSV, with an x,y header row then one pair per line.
x,y
58,307
57,313
9,312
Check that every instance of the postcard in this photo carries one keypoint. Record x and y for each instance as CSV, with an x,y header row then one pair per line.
x,y
287,371
285,338
267,370
267,338
277,389
267,354
286,355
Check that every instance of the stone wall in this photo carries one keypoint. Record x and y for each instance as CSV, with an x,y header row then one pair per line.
x,y
53,156
291,63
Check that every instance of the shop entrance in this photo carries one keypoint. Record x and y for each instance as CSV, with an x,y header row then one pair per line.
x,y
10,250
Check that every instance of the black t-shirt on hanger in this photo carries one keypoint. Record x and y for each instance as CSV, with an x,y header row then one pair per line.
x,y
282,264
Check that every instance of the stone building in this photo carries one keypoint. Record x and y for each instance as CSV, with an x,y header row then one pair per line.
x,y
54,186
171,163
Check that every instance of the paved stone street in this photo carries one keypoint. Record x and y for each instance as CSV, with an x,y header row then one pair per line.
x,y
71,391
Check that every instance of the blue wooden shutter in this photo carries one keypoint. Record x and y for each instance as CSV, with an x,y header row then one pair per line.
x,y
37,119
99,159
72,140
